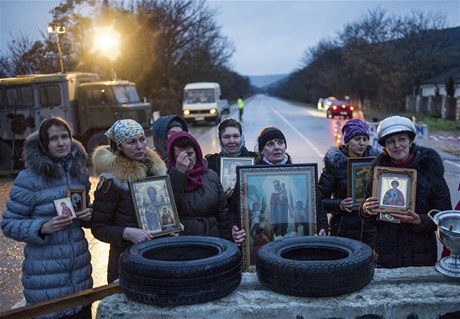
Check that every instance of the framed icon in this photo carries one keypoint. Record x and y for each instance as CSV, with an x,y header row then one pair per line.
x,y
357,170
64,207
78,198
228,169
395,188
276,202
155,206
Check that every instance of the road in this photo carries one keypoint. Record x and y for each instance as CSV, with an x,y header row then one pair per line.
x,y
309,135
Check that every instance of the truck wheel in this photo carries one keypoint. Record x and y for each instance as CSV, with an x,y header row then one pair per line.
x,y
315,266
5,156
182,270
98,138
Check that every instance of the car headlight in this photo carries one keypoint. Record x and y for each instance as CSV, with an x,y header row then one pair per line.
x,y
212,111
186,112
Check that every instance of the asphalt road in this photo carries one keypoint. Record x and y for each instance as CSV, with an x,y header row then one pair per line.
x,y
309,134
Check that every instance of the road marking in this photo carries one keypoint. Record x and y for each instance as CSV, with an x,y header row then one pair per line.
x,y
452,163
312,146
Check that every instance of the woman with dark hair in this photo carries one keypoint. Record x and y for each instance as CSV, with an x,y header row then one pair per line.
x,y
411,241
333,190
232,144
162,129
200,199
127,159
57,261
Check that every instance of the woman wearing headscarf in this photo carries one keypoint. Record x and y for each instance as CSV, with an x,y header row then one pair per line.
x,y
198,193
232,144
162,129
126,159
345,220
272,147
57,261
411,241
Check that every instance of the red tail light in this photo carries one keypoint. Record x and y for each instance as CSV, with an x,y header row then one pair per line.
x,y
352,107
334,107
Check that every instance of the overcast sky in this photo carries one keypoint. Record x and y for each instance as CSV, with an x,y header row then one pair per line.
x,y
270,37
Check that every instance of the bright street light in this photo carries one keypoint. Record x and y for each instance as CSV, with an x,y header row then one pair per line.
x,y
56,29
107,42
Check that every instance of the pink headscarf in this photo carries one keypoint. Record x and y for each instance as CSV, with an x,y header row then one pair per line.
x,y
194,175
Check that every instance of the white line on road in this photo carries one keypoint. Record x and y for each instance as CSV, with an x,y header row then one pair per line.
x,y
452,163
313,147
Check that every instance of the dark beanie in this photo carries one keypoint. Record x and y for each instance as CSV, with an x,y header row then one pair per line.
x,y
268,135
175,123
354,128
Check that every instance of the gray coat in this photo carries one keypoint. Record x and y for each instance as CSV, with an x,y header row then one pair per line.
x,y
54,264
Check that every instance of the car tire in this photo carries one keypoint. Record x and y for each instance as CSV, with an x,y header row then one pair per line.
x,y
316,266
94,140
182,270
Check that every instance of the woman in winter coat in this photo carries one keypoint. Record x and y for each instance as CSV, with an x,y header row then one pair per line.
x,y
345,220
232,144
127,159
57,261
411,241
272,151
162,129
200,199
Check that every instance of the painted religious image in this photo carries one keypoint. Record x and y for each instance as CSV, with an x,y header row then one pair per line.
x,y
357,171
155,208
228,169
78,198
64,207
278,202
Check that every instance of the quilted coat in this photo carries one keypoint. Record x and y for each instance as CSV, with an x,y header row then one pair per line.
x,y
54,264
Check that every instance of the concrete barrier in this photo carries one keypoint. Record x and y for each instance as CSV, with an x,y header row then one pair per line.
x,y
413,292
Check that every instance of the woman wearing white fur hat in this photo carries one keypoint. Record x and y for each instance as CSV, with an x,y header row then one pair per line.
x,y
412,241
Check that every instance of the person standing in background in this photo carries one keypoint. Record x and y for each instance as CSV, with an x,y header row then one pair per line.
x,y
240,107
162,129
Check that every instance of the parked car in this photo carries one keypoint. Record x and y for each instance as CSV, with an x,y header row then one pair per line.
x,y
340,108
225,106
324,103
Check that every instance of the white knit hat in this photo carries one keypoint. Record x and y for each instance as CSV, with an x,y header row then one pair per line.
x,y
393,125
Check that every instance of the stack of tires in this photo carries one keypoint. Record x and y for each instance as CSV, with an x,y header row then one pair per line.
x,y
182,270
315,266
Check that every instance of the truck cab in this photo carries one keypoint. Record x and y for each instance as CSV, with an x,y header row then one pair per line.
x,y
202,102
90,107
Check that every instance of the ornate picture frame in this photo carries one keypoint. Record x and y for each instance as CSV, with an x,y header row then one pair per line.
x,y
276,202
357,170
78,198
228,169
395,188
155,206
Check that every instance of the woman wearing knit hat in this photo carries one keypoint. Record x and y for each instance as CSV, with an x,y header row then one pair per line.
x,y
163,127
345,221
200,199
232,144
412,241
272,147
127,159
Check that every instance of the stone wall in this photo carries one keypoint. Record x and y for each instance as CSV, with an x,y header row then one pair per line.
x,y
413,292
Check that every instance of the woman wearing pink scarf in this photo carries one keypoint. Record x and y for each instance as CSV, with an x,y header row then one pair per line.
x,y
199,196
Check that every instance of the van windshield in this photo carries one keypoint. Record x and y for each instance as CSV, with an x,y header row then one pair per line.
x,y
199,96
126,94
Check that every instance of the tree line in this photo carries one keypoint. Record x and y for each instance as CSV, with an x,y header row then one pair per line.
x,y
377,61
164,45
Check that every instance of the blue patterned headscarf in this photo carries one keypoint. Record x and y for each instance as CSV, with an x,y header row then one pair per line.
x,y
121,130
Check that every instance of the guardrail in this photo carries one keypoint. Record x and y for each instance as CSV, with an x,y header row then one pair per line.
x,y
80,298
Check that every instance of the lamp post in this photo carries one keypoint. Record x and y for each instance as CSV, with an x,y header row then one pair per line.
x,y
56,29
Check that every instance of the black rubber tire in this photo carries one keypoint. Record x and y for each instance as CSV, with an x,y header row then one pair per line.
x,y
96,139
182,270
315,266
5,156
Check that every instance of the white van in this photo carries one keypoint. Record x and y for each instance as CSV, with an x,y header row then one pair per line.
x,y
202,102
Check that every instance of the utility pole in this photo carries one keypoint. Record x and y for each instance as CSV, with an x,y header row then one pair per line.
x,y
56,29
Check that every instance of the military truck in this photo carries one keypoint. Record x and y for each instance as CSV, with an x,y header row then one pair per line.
x,y
89,105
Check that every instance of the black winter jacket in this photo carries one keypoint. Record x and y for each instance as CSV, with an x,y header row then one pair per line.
x,y
332,190
405,245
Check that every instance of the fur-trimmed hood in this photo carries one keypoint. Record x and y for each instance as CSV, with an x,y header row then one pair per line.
x,y
116,166
36,159
337,157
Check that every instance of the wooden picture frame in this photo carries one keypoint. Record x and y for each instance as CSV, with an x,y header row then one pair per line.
x,y
78,198
155,207
64,207
228,169
276,202
395,188
357,170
